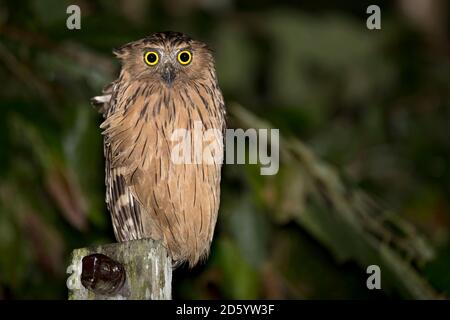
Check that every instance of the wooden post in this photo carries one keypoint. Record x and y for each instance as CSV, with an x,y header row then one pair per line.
x,y
133,270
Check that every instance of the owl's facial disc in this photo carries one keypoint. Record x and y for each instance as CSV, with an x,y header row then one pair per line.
x,y
168,74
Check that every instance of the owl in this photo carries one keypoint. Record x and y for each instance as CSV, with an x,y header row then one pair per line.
x,y
167,82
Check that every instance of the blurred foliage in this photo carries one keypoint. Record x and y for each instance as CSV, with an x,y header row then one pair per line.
x,y
364,121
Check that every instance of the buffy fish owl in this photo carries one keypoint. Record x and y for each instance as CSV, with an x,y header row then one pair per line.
x,y
167,82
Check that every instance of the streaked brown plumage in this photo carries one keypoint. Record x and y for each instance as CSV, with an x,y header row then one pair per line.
x,y
148,196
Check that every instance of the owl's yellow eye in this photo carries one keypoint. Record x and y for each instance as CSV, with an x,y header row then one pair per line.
x,y
151,58
184,57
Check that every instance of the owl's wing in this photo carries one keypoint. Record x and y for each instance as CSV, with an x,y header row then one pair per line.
x,y
103,103
125,210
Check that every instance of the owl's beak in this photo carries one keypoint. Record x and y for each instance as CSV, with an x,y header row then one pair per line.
x,y
168,74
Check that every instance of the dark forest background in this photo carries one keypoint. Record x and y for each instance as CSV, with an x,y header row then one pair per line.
x,y
364,118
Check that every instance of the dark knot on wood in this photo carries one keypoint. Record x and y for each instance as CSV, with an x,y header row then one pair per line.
x,y
102,274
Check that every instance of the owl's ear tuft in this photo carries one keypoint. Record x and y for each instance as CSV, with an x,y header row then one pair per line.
x,y
122,51
119,52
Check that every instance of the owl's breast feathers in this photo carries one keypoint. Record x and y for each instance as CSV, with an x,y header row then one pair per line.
x,y
148,195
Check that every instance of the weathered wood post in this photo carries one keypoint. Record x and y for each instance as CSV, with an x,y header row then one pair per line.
x,y
133,270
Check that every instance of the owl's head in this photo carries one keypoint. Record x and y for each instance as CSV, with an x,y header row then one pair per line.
x,y
170,58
